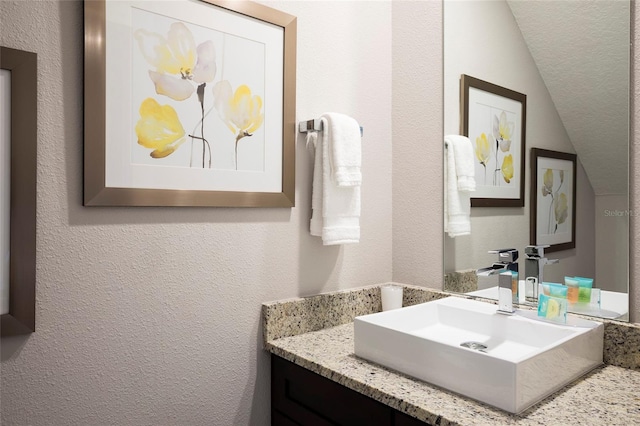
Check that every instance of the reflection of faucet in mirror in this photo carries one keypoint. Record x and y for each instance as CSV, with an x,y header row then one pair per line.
x,y
507,267
533,268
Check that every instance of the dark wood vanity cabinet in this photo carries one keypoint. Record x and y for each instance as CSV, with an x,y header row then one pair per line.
x,y
301,397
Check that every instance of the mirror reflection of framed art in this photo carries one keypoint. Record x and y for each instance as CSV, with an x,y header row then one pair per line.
x,y
553,199
494,119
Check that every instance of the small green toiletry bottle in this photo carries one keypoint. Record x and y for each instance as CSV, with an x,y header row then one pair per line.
x,y
584,289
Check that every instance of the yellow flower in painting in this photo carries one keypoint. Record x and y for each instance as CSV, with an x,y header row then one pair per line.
x,y
177,60
507,168
561,208
483,149
547,179
159,128
240,111
502,131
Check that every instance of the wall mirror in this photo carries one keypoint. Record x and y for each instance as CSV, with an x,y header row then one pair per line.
x,y
572,61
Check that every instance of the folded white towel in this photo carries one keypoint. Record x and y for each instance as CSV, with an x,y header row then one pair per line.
x,y
345,154
316,193
336,209
457,220
464,158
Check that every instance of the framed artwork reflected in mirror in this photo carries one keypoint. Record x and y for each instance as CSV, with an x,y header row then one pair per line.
x,y
553,199
494,119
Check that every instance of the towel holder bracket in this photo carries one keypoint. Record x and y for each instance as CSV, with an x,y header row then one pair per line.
x,y
315,125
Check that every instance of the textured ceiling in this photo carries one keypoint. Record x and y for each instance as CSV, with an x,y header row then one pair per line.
x,y
582,52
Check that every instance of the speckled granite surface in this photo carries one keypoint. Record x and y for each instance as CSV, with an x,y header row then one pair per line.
x,y
622,345
301,315
607,396
461,281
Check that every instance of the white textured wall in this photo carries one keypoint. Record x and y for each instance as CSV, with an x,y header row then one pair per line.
x,y
151,316
417,142
476,53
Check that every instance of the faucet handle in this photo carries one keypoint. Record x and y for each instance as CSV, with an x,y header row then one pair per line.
x,y
537,251
508,255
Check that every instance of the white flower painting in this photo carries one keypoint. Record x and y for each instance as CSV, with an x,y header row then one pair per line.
x,y
198,96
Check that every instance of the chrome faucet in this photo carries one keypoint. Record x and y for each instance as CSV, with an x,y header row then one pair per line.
x,y
534,264
507,267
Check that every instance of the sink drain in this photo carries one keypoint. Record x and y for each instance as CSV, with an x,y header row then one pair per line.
x,y
476,346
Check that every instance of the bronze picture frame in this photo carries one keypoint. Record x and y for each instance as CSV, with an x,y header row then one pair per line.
x,y
559,210
482,107
24,133
97,193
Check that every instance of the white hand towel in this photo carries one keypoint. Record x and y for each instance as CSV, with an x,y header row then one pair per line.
x,y
345,142
464,158
316,193
457,203
336,210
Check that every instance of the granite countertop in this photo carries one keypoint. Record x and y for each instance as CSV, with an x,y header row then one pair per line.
x,y
317,333
608,395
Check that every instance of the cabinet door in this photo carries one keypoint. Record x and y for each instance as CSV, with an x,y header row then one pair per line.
x,y
401,419
306,398
279,419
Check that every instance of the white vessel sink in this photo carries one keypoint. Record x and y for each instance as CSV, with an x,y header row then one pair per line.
x,y
525,359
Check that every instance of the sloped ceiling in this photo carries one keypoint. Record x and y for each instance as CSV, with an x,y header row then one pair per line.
x,y
582,52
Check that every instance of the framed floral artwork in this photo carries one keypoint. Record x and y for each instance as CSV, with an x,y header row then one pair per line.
x,y
494,119
18,146
553,199
189,103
